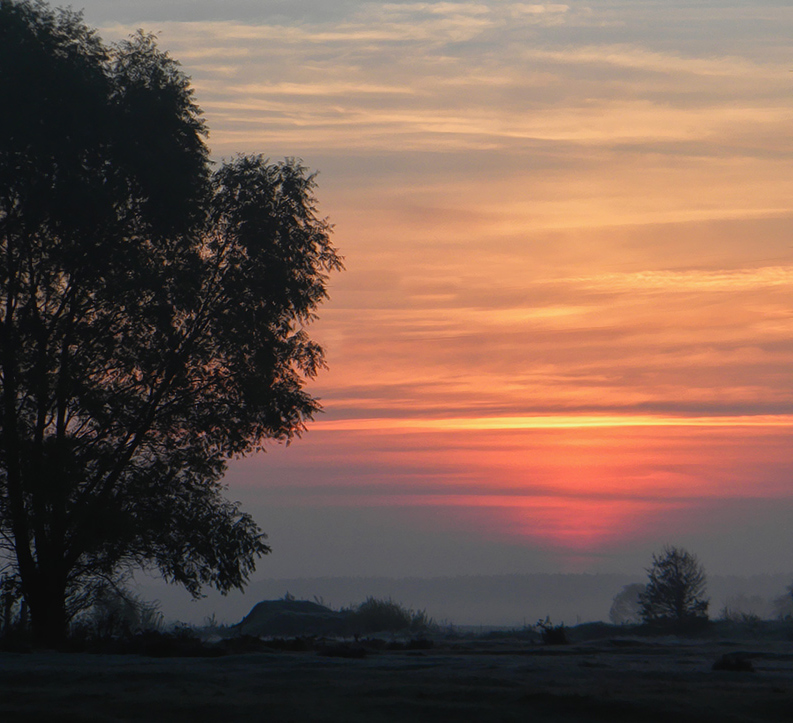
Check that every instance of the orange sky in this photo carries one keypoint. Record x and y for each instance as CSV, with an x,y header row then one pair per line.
x,y
565,332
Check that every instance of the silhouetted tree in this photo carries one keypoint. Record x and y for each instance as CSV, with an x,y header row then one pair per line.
x,y
783,605
626,607
151,317
675,590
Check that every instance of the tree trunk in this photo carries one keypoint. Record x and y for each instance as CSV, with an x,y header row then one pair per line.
x,y
47,601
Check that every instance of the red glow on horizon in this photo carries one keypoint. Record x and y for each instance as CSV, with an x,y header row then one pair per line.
x,y
582,489
550,421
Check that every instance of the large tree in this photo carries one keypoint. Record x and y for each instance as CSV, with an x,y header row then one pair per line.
x,y
152,317
676,587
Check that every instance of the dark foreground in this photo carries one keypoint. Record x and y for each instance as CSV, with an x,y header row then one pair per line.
x,y
607,680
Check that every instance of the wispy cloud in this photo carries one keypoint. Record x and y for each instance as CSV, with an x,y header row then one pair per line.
x,y
468,88
566,312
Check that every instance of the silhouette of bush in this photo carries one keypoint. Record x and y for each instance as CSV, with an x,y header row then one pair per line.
x,y
115,613
552,634
375,615
289,617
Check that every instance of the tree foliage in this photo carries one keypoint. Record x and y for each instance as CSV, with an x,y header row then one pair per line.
x,y
676,588
377,615
152,317
626,606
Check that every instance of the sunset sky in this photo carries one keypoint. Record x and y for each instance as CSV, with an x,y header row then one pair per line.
x,y
564,336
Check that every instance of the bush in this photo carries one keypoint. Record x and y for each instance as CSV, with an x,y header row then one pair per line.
x,y
552,634
375,615
116,613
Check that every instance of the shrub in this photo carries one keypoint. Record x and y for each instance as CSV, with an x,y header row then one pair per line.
x,y
552,634
115,612
376,615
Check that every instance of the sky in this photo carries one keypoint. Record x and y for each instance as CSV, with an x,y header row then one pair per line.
x,y
564,335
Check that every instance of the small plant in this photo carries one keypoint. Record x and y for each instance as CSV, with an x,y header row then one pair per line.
x,y
731,615
552,634
211,621
746,609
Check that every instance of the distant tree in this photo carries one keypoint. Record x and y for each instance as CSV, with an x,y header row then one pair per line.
x,y
376,615
675,589
152,318
626,608
551,634
783,605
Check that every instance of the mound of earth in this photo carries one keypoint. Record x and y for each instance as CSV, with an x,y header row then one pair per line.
x,y
293,617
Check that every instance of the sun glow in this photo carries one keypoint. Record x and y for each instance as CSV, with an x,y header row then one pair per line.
x,y
566,313
579,421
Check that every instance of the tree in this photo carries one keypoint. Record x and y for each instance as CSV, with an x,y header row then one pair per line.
x,y
152,318
626,606
675,590
783,605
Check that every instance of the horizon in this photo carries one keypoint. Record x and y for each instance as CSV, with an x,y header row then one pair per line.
x,y
564,335
467,600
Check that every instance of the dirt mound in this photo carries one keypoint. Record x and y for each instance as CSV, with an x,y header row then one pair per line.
x,y
293,617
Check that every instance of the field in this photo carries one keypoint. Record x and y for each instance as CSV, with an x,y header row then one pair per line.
x,y
474,679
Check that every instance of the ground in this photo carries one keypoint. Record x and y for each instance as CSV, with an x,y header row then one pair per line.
x,y
617,679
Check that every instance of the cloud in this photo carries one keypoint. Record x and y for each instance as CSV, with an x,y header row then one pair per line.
x,y
638,58
566,312
455,77
731,281
555,421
